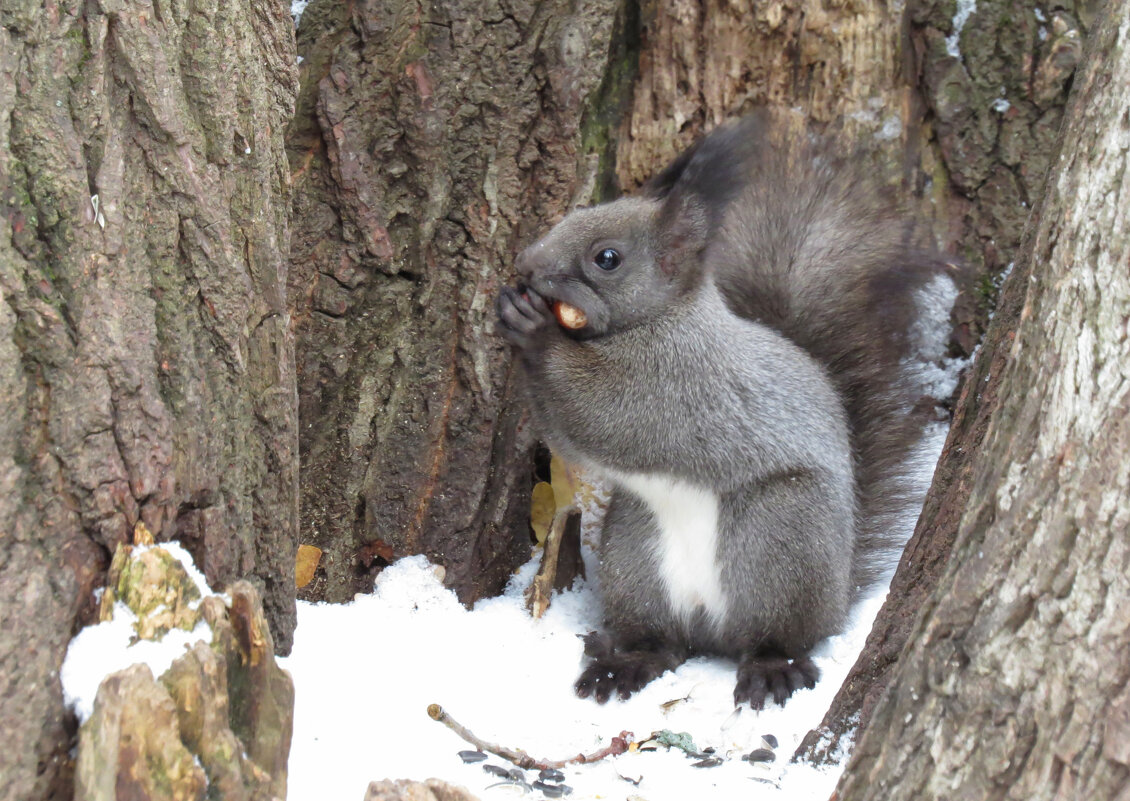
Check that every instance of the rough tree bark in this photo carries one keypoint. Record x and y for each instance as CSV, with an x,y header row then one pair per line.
x,y
430,141
146,367
1016,681
993,85
704,61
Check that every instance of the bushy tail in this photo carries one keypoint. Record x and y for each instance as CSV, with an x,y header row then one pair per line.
x,y
811,247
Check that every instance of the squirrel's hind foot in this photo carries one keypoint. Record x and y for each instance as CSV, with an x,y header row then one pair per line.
x,y
622,672
774,675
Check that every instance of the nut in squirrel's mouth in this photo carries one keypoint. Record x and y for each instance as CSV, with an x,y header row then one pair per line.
x,y
568,315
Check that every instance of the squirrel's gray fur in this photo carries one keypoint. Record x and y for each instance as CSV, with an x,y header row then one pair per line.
x,y
739,381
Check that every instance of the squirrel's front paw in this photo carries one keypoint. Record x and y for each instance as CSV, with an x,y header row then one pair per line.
x,y
523,316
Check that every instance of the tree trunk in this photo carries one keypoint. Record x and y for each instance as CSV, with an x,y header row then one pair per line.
x,y
430,142
146,365
1016,681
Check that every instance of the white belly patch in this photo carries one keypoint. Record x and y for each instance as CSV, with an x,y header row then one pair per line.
x,y
686,549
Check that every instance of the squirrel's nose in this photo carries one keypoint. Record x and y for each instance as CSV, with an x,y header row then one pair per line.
x,y
532,260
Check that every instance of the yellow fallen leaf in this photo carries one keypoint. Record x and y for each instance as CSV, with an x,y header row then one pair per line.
x,y
305,563
542,509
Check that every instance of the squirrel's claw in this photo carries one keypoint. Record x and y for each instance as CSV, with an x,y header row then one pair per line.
x,y
762,676
619,675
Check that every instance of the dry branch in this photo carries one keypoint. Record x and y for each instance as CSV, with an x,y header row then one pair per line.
x,y
519,757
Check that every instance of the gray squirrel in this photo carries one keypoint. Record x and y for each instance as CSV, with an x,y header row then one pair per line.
x,y
737,376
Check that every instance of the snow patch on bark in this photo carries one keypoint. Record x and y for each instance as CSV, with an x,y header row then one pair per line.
x,y
965,9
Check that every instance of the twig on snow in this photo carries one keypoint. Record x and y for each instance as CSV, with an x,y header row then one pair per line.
x,y
519,757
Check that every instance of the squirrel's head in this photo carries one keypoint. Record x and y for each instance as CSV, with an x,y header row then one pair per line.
x,y
621,263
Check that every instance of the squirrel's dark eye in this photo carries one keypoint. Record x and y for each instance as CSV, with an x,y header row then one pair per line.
x,y
607,259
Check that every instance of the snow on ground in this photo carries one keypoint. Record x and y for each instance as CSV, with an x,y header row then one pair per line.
x,y
365,673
